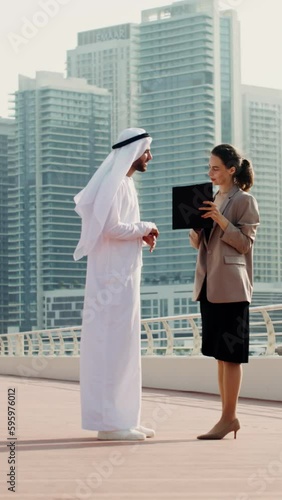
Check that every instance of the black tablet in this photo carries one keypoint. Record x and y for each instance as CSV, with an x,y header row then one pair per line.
x,y
186,201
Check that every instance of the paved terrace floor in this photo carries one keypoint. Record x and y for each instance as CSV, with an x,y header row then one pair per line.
x,y
56,460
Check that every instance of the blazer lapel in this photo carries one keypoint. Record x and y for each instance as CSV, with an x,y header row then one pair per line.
x,y
228,198
223,206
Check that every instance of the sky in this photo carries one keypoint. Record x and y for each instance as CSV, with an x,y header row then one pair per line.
x,y
27,47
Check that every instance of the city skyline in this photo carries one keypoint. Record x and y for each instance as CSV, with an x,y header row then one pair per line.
x,y
181,69
32,30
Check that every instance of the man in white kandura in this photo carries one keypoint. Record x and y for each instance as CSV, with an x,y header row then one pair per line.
x,y
112,237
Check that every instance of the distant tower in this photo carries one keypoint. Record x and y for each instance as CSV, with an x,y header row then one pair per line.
x,y
262,132
230,70
63,133
106,57
7,130
188,85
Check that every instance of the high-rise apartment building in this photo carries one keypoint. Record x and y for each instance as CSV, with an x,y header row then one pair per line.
x,y
7,129
187,79
262,132
62,135
230,70
106,57
177,74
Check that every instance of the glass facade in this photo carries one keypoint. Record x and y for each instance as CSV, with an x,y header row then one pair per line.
x,y
63,134
178,70
226,79
230,79
63,308
6,156
262,112
107,58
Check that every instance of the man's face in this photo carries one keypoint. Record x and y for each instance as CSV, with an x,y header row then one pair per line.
x,y
141,164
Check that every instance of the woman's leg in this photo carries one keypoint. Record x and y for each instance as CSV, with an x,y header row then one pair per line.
x,y
232,378
229,382
220,375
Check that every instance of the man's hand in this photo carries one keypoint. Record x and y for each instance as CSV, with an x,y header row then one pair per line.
x,y
151,238
154,232
151,241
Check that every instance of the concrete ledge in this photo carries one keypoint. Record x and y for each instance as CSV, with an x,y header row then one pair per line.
x,y
57,368
262,375
261,380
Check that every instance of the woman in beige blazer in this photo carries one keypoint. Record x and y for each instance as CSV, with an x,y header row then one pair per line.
x,y
224,276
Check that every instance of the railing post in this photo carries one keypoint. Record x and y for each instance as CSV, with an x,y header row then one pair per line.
x,y
40,344
197,342
169,338
30,345
52,343
10,345
75,343
62,344
271,338
19,347
150,349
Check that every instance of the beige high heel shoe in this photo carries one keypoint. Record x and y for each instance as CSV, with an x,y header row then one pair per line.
x,y
234,426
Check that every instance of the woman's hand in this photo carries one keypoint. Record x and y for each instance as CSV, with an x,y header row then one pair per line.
x,y
212,212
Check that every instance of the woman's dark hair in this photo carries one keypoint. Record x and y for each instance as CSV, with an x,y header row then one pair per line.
x,y
230,157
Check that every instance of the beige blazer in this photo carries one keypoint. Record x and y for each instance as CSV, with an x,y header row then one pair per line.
x,y
227,258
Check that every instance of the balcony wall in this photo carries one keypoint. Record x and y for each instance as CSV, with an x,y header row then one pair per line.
x,y
262,375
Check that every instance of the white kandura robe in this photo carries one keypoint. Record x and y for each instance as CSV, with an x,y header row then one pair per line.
x,y
110,359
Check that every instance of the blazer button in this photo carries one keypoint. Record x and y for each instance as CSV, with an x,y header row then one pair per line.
x,y
209,252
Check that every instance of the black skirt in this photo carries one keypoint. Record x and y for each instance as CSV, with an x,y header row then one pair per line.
x,y
225,329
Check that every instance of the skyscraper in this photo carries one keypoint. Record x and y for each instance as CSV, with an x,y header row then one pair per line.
x,y
230,70
106,57
262,127
7,129
62,134
187,83
181,67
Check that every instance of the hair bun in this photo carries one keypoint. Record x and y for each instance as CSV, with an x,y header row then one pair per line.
x,y
245,163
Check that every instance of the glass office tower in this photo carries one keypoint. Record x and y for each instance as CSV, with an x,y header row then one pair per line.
x,y
180,75
189,82
262,126
230,70
7,129
62,134
177,74
106,57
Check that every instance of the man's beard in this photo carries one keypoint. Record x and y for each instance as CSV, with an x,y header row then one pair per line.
x,y
140,166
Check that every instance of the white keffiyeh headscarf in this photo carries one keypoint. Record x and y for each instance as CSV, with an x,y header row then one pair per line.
x,y
93,203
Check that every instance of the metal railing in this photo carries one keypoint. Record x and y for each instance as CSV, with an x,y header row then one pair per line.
x,y
180,335
166,336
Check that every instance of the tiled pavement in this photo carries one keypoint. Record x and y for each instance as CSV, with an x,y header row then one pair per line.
x,y
56,460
